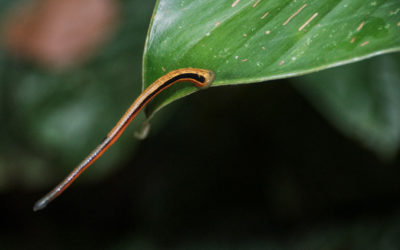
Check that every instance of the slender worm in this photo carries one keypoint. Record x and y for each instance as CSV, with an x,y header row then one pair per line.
x,y
199,77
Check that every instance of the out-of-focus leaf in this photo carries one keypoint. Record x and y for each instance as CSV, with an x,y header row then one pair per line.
x,y
51,121
362,100
50,32
257,40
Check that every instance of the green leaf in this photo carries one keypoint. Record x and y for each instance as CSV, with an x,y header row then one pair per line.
x,y
362,100
245,41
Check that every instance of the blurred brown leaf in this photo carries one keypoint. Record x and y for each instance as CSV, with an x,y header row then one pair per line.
x,y
59,33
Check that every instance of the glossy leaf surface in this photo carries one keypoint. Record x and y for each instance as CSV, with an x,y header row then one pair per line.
x,y
258,40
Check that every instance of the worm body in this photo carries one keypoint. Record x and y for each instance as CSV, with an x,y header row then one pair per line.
x,y
199,77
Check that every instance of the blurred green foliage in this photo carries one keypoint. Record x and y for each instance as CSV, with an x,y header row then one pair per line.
x,y
54,119
362,100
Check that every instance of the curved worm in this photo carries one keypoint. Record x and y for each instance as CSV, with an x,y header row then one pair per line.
x,y
199,77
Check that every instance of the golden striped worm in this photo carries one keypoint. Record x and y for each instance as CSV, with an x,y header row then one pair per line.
x,y
199,77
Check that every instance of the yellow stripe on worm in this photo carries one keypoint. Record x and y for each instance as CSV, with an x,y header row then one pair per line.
x,y
199,77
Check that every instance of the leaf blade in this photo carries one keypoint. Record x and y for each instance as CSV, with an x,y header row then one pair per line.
x,y
254,41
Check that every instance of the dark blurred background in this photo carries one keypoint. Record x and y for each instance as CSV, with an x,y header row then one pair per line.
x,y
246,167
